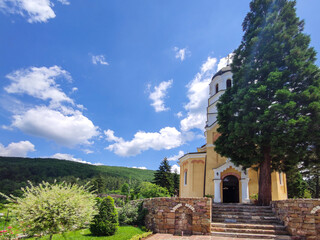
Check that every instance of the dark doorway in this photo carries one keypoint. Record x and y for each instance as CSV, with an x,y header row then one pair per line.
x,y
230,189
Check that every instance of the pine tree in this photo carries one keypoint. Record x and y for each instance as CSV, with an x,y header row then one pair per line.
x,y
265,117
163,176
176,182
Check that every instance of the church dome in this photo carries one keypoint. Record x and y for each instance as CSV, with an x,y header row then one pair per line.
x,y
222,71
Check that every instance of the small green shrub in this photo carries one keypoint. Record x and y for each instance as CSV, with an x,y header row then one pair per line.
x,y
105,223
140,236
150,190
132,213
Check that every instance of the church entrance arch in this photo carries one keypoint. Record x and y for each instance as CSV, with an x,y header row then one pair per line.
x,y
230,188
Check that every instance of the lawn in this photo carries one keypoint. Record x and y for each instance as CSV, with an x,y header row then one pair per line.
x,y
123,233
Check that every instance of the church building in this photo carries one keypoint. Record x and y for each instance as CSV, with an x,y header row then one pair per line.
x,y
205,172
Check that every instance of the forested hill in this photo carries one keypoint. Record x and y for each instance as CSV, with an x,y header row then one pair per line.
x,y
15,172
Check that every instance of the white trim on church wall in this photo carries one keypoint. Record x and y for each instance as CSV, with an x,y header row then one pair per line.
x,y
191,156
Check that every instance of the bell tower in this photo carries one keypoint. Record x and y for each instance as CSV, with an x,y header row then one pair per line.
x,y
219,83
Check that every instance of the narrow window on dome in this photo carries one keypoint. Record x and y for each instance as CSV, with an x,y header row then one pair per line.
x,y
217,88
228,83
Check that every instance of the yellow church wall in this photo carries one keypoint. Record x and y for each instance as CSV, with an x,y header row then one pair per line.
x,y
195,177
253,182
278,189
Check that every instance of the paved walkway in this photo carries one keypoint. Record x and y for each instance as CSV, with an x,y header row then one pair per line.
x,y
160,236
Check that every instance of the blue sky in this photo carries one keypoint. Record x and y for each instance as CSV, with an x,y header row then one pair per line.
x,y
117,82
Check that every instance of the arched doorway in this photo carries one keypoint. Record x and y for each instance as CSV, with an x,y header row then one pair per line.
x,y
230,189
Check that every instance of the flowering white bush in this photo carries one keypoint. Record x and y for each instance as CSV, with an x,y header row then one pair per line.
x,y
53,208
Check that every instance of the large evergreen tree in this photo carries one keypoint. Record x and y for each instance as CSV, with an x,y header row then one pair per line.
x,y
265,117
163,176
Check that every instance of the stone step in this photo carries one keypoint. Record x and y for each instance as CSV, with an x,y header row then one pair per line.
x,y
250,230
242,208
246,213
236,216
239,205
251,226
250,235
245,220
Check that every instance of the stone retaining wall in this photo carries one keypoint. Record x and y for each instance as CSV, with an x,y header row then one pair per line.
x,y
301,216
179,216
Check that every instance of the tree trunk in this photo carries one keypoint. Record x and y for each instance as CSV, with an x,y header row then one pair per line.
x,y
264,198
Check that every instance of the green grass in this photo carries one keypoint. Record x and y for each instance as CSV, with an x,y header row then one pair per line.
x,y
123,233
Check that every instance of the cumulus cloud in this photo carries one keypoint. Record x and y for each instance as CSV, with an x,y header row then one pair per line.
x,y
39,83
60,120
68,130
143,168
158,94
225,61
198,92
176,157
99,59
33,10
66,156
175,168
166,138
17,149
181,53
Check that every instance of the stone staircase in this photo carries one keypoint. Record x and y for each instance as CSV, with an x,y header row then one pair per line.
x,y
246,221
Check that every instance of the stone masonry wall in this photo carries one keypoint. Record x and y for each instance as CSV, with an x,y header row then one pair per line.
x,y
301,216
179,216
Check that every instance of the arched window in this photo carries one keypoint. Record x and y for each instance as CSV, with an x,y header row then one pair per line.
x,y
228,83
217,88
185,177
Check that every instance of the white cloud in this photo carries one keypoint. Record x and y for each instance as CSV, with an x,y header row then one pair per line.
x,y
198,92
66,156
60,120
88,151
179,114
166,138
158,95
225,61
68,130
33,10
17,149
174,168
176,157
181,53
64,2
143,168
99,164
99,59
39,83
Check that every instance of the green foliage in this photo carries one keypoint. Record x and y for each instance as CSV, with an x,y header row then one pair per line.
x,y
150,190
163,176
265,118
141,236
53,208
295,184
105,223
132,213
176,182
123,233
15,172
125,189
99,184
254,196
